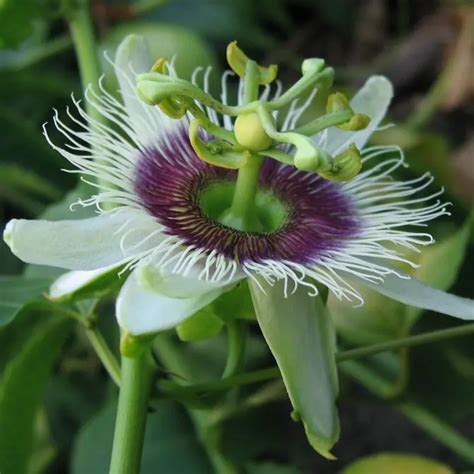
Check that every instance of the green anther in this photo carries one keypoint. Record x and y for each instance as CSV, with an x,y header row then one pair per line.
x,y
345,166
238,60
216,152
357,122
338,102
250,133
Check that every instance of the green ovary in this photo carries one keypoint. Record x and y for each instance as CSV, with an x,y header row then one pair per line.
x,y
216,200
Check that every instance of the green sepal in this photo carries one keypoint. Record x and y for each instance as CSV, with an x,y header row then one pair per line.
x,y
216,152
301,337
237,60
200,326
132,346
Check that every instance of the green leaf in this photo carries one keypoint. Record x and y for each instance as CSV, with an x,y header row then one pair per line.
x,y
21,390
17,291
299,333
202,325
170,443
396,463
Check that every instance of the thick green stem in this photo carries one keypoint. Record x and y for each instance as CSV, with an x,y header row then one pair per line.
x,y
242,214
131,415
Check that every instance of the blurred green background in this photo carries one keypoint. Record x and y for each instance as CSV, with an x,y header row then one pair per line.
x,y
63,406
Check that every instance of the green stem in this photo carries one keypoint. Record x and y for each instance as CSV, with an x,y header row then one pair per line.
x,y
359,353
84,44
104,353
236,348
409,341
131,415
82,33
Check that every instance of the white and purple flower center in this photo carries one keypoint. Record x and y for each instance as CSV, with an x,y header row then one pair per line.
x,y
313,216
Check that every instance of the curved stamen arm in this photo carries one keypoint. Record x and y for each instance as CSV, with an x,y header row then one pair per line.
x,y
211,127
278,155
326,121
154,87
314,75
308,156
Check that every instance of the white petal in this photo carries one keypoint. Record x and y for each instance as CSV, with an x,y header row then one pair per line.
x,y
132,57
141,309
372,100
413,292
83,244
70,282
175,285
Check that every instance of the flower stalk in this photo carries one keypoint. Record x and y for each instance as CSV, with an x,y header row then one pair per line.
x,y
131,414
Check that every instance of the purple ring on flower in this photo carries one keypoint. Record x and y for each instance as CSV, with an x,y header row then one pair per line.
x,y
319,216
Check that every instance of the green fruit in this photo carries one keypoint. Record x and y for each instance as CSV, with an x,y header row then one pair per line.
x,y
164,40
396,463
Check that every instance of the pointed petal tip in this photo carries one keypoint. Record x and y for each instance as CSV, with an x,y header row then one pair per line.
x,y
322,447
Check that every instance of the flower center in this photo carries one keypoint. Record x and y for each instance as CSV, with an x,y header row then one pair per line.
x,y
216,199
